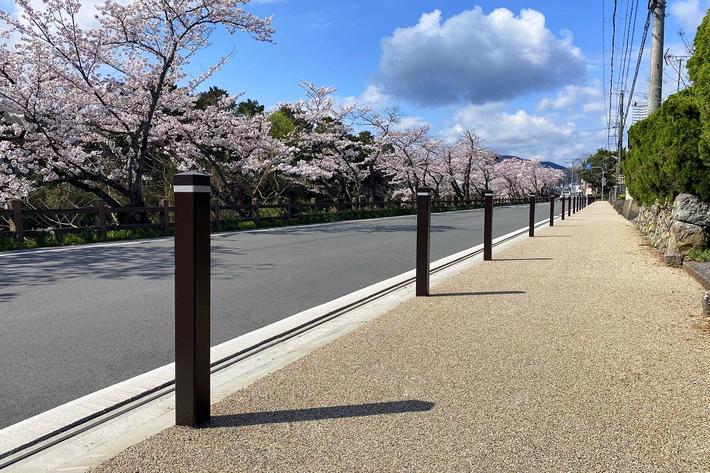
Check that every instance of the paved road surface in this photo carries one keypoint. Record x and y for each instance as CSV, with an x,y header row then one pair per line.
x,y
77,320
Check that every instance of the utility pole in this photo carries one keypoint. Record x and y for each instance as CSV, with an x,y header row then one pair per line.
x,y
620,137
670,59
655,85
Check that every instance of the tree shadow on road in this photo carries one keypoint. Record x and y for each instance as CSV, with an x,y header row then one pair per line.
x,y
149,261
319,413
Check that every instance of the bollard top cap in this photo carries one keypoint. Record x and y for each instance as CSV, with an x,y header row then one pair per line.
x,y
192,178
192,182
424,190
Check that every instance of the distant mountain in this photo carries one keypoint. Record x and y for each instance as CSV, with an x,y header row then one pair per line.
x,y
548,164
552,165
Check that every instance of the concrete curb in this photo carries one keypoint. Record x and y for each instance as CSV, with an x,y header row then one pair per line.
x,y
144,403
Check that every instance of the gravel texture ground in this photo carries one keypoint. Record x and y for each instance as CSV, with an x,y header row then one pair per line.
x,y
573,351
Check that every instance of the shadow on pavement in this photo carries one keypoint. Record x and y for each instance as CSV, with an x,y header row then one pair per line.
x,y
319,413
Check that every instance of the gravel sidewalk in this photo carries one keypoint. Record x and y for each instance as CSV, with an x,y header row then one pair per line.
x,y
573,351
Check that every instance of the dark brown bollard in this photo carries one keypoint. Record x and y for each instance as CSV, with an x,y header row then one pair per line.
x,y
488,227
531,219
423,240
562,199
192,298
569,206
552,211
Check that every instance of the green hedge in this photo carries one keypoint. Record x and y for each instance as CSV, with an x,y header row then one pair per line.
x,y
664,157
669,152
699,72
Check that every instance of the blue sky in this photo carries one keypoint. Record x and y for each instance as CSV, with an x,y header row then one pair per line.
x,y
339,43
530,77
475,77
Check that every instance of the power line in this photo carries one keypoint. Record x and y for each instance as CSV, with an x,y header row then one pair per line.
x,y
670,60
604,64
625,42
630,45
646,26
611,75
624,53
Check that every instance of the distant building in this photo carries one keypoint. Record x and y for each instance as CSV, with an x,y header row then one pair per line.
x,y
639,111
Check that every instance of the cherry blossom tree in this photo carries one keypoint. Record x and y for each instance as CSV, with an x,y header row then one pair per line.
x,y
541,179
518,178
408,159
102,107
329,158
246,161
380,125
470,166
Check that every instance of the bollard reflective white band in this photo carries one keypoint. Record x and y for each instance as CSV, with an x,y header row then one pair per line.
x,y
423,193
193,189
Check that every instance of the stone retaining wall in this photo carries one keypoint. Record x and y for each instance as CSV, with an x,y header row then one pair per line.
x,y
674,229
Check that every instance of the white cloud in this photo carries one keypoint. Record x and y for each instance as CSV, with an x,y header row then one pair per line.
x,y
690,13
372,97
523,134
410,121
477,57
575,97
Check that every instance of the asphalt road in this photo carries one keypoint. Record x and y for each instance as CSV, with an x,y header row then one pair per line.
x,y
75,320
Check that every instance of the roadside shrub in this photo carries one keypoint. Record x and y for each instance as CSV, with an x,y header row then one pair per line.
x,y
699,72
7,243
246,225
72,239
30,243
669,152
664,158
697,254
112,235
46,239
89,236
